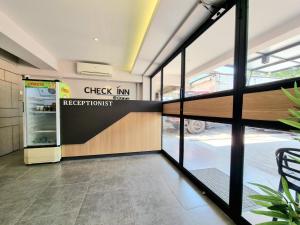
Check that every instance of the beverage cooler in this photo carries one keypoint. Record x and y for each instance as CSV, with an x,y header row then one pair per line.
x,y
41,121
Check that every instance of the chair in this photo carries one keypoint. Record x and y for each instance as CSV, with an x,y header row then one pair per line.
x,y
289,168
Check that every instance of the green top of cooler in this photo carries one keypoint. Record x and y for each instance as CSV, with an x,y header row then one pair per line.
x,y
39,84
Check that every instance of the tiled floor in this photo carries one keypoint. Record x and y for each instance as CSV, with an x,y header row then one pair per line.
x,y
131,190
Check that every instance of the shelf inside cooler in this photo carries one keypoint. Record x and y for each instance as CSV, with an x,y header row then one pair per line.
x,y
44,131
42,98
43,112
42,144
42,137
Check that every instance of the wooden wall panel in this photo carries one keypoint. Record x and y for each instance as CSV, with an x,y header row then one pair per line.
x,y
267,105
136,132
172,108
212,107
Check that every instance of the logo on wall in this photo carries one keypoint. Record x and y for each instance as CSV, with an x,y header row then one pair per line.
x,y
117,94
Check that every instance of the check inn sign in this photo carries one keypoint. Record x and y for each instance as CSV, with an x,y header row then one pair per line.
x,y
116,93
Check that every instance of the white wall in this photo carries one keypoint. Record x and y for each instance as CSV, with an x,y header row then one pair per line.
x,y
146,89
67,72
16,41
67,69
97,89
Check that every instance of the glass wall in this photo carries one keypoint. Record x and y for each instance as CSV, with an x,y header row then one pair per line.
x,y
273,54
260,165
156,87
172,79
171,136
207,148
209,59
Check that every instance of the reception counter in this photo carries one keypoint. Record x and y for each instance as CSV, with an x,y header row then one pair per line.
x,y
101,127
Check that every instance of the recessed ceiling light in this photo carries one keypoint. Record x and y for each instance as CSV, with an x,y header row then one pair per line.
x,y
96,39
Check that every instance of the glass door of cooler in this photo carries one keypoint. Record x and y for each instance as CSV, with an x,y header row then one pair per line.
x,y
40,113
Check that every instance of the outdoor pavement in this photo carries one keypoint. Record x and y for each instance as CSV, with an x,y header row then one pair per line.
x,y
207,156
128,190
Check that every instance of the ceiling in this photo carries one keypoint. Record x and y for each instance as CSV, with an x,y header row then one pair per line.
x,y
270,35
67,28
267,32
166,21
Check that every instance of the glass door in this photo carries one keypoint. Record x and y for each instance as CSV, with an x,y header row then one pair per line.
x,y
40,113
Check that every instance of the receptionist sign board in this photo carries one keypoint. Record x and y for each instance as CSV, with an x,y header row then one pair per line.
x,y
91,89
82,119
88,103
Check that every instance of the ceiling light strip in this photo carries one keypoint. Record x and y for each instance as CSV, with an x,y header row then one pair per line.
x,y
141,33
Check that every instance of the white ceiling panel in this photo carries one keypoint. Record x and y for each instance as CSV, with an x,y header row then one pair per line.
x,y
195,19
67,27
167,19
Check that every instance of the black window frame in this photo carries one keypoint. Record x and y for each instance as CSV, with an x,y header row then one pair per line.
x,y
234,208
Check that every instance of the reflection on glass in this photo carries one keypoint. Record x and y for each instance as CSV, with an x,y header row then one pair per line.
x,y
41,115
260,165
209,59
207,148
171,136
156,86
172,79
273,53
268,66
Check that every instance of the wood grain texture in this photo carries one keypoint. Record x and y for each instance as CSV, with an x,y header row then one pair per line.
x,y
172,108
212,107
136,132
267,105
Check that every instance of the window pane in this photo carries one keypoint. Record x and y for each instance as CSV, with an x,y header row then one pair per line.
x,y
171,136
274,48
260,165
172,79
156,83
207,148
209,59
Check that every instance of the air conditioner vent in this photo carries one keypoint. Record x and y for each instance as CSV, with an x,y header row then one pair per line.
x,y
94,69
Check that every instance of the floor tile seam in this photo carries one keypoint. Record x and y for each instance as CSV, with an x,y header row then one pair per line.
x,y
198,207
40,180
83,199
24,173
46,215
36,188
23,212
33,201
2,167
59,198
8,176
111,191
41,198
60,185
68,185
164,208
173,193
104,191
131,202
